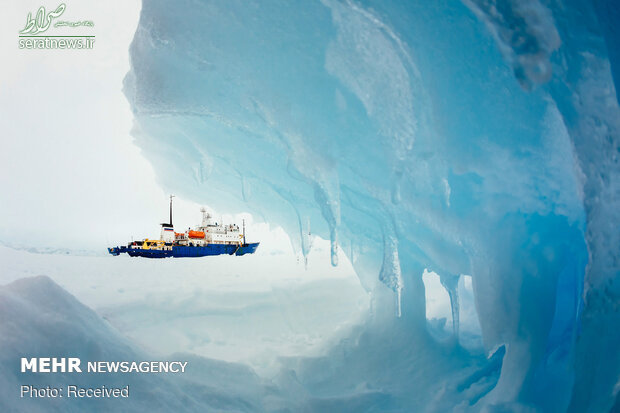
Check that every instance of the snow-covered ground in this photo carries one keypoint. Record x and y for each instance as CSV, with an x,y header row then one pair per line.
x,y
251,309
261,332
38,318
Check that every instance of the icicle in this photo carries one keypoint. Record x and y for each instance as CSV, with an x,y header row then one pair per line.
x,y
391,274
306,242
352,256
334,247
451,283
329,201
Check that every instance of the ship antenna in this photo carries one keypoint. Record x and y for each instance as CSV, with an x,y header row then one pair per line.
x,y
243,231
171,196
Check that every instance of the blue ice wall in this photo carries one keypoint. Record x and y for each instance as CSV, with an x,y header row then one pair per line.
x,y
475,137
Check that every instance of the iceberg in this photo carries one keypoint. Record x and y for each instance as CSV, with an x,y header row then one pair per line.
x,y
476,138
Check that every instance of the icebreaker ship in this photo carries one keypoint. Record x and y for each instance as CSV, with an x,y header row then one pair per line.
x,y
473,137
209,238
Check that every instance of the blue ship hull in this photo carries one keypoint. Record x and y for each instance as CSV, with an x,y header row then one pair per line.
x,y
186,251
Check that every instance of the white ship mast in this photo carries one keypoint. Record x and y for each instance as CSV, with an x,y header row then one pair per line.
x,y
167,230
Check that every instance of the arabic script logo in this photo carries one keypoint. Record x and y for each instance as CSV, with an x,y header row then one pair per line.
x,y
34,36
42,21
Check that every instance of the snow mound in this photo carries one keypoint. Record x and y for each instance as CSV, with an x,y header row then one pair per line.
x,y
40,319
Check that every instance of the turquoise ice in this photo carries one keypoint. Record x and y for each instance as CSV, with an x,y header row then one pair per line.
x,y
474,137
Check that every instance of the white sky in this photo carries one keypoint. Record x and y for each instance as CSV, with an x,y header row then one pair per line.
x,y
71,176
